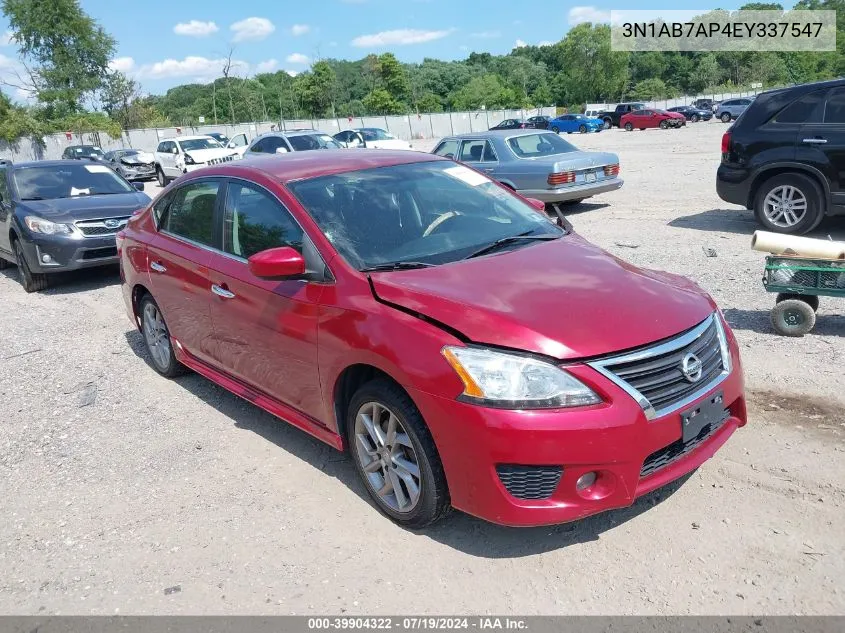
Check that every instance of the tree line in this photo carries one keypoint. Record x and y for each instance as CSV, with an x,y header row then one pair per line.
x,y
65,56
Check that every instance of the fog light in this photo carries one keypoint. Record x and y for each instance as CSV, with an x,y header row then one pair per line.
x,y
45,258
585,481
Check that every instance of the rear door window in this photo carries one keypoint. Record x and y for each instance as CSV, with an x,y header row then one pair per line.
x,y
803,110
190,214
834,110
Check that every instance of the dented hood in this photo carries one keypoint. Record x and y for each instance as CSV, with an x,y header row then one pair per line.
x,y
564,298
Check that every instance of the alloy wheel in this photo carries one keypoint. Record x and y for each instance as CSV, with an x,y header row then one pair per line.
x,y
156,336
385,453
785,206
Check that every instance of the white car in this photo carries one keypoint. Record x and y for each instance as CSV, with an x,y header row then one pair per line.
x,y
179,155
370,137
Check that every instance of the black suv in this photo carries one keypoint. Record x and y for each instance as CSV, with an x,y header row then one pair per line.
x,y
785,157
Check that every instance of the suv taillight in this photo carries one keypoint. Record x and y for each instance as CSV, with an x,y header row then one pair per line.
x,y
726,142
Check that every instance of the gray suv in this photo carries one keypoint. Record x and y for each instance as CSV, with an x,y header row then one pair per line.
x,y
732,108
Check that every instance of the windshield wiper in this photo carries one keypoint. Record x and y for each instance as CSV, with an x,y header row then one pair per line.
x,y
395,266
510,240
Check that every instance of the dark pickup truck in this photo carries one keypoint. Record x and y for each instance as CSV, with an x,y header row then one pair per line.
x,y
611,117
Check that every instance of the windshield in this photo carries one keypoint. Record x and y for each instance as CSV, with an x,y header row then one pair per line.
x,y
221,138
199,143
304,142
375,134
534,145
434,212
86,151
66,181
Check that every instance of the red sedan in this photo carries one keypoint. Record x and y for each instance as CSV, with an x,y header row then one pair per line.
x,y
644,119
389,303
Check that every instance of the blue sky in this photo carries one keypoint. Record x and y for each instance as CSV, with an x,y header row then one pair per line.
x,y
163,44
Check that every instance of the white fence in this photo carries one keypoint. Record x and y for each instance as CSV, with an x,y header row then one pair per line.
x,y
407,127
664,104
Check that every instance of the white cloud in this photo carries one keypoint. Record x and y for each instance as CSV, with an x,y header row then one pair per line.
x,y
6,38
398,37
486,34
297,58
520,44
579,15
192,66
299,29
252,29
266,66
545,43
292,73
122,64
195,28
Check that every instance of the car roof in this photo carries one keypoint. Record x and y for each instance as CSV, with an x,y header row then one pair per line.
x,y
304,165
195,137
500,133
283,134
43,163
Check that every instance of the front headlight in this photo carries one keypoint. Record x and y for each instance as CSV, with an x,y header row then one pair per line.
x,y
189,160
727,362
40,225
510,381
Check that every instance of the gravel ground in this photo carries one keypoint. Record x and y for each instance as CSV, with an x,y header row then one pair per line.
x,y
124,492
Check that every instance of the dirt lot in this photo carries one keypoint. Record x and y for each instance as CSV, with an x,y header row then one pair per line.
x,y
123,492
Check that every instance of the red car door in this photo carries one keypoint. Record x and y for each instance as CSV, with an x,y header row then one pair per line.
x,y
265,332
178,263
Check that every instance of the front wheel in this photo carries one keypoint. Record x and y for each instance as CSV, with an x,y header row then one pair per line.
x,y
162,179
629,127
607,124
555,129
31,282
789,203
793,317
726,117
395,455
663,125
695,118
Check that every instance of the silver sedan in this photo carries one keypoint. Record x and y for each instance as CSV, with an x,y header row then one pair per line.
x,y
536,164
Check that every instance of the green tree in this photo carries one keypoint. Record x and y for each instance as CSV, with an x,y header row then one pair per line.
x,y
649,89
488,91
317,88
67,51
380,101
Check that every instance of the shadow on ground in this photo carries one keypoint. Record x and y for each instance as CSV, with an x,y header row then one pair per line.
x,y
759,321
459,531
742,221
74,281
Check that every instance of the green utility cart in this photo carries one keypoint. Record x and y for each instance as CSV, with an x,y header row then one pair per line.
x,y
799,282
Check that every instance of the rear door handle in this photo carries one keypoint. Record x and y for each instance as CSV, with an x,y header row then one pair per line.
x,y
222,292
158,267
815,141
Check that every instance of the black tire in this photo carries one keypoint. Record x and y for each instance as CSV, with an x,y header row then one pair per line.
x,y
810,300
726,117
162,179
433,503
555,129
168,366
31,282
793,317
642,129
607,124
695,118
663,124
809,188
582,129
629,127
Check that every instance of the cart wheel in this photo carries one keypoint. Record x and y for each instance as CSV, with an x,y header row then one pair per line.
x,y
793,317
811,300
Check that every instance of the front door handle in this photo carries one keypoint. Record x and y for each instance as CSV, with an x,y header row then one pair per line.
x,y
158,267
489,170
222,292
815,141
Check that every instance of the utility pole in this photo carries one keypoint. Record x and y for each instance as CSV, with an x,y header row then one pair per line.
x,y
214,100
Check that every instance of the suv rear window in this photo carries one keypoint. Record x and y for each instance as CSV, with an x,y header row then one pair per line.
x,y
803,110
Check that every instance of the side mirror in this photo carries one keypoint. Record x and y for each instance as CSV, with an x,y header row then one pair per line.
x,y
539,205
138,185
281,150
282,262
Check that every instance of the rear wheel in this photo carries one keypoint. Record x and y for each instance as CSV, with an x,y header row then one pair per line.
x,y
663,124
555,129
695,118
629,127
789,203
395,455
582,129
793,317
157,339
31,282
607,124
162,179
726,117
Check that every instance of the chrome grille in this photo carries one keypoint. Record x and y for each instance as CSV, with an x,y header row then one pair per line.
x,y
655,376
97,228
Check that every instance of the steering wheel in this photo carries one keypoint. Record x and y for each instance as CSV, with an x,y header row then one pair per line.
x,y
449,215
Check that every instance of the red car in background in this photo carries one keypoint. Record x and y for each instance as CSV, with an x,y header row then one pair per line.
x,y
389,304
650,118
